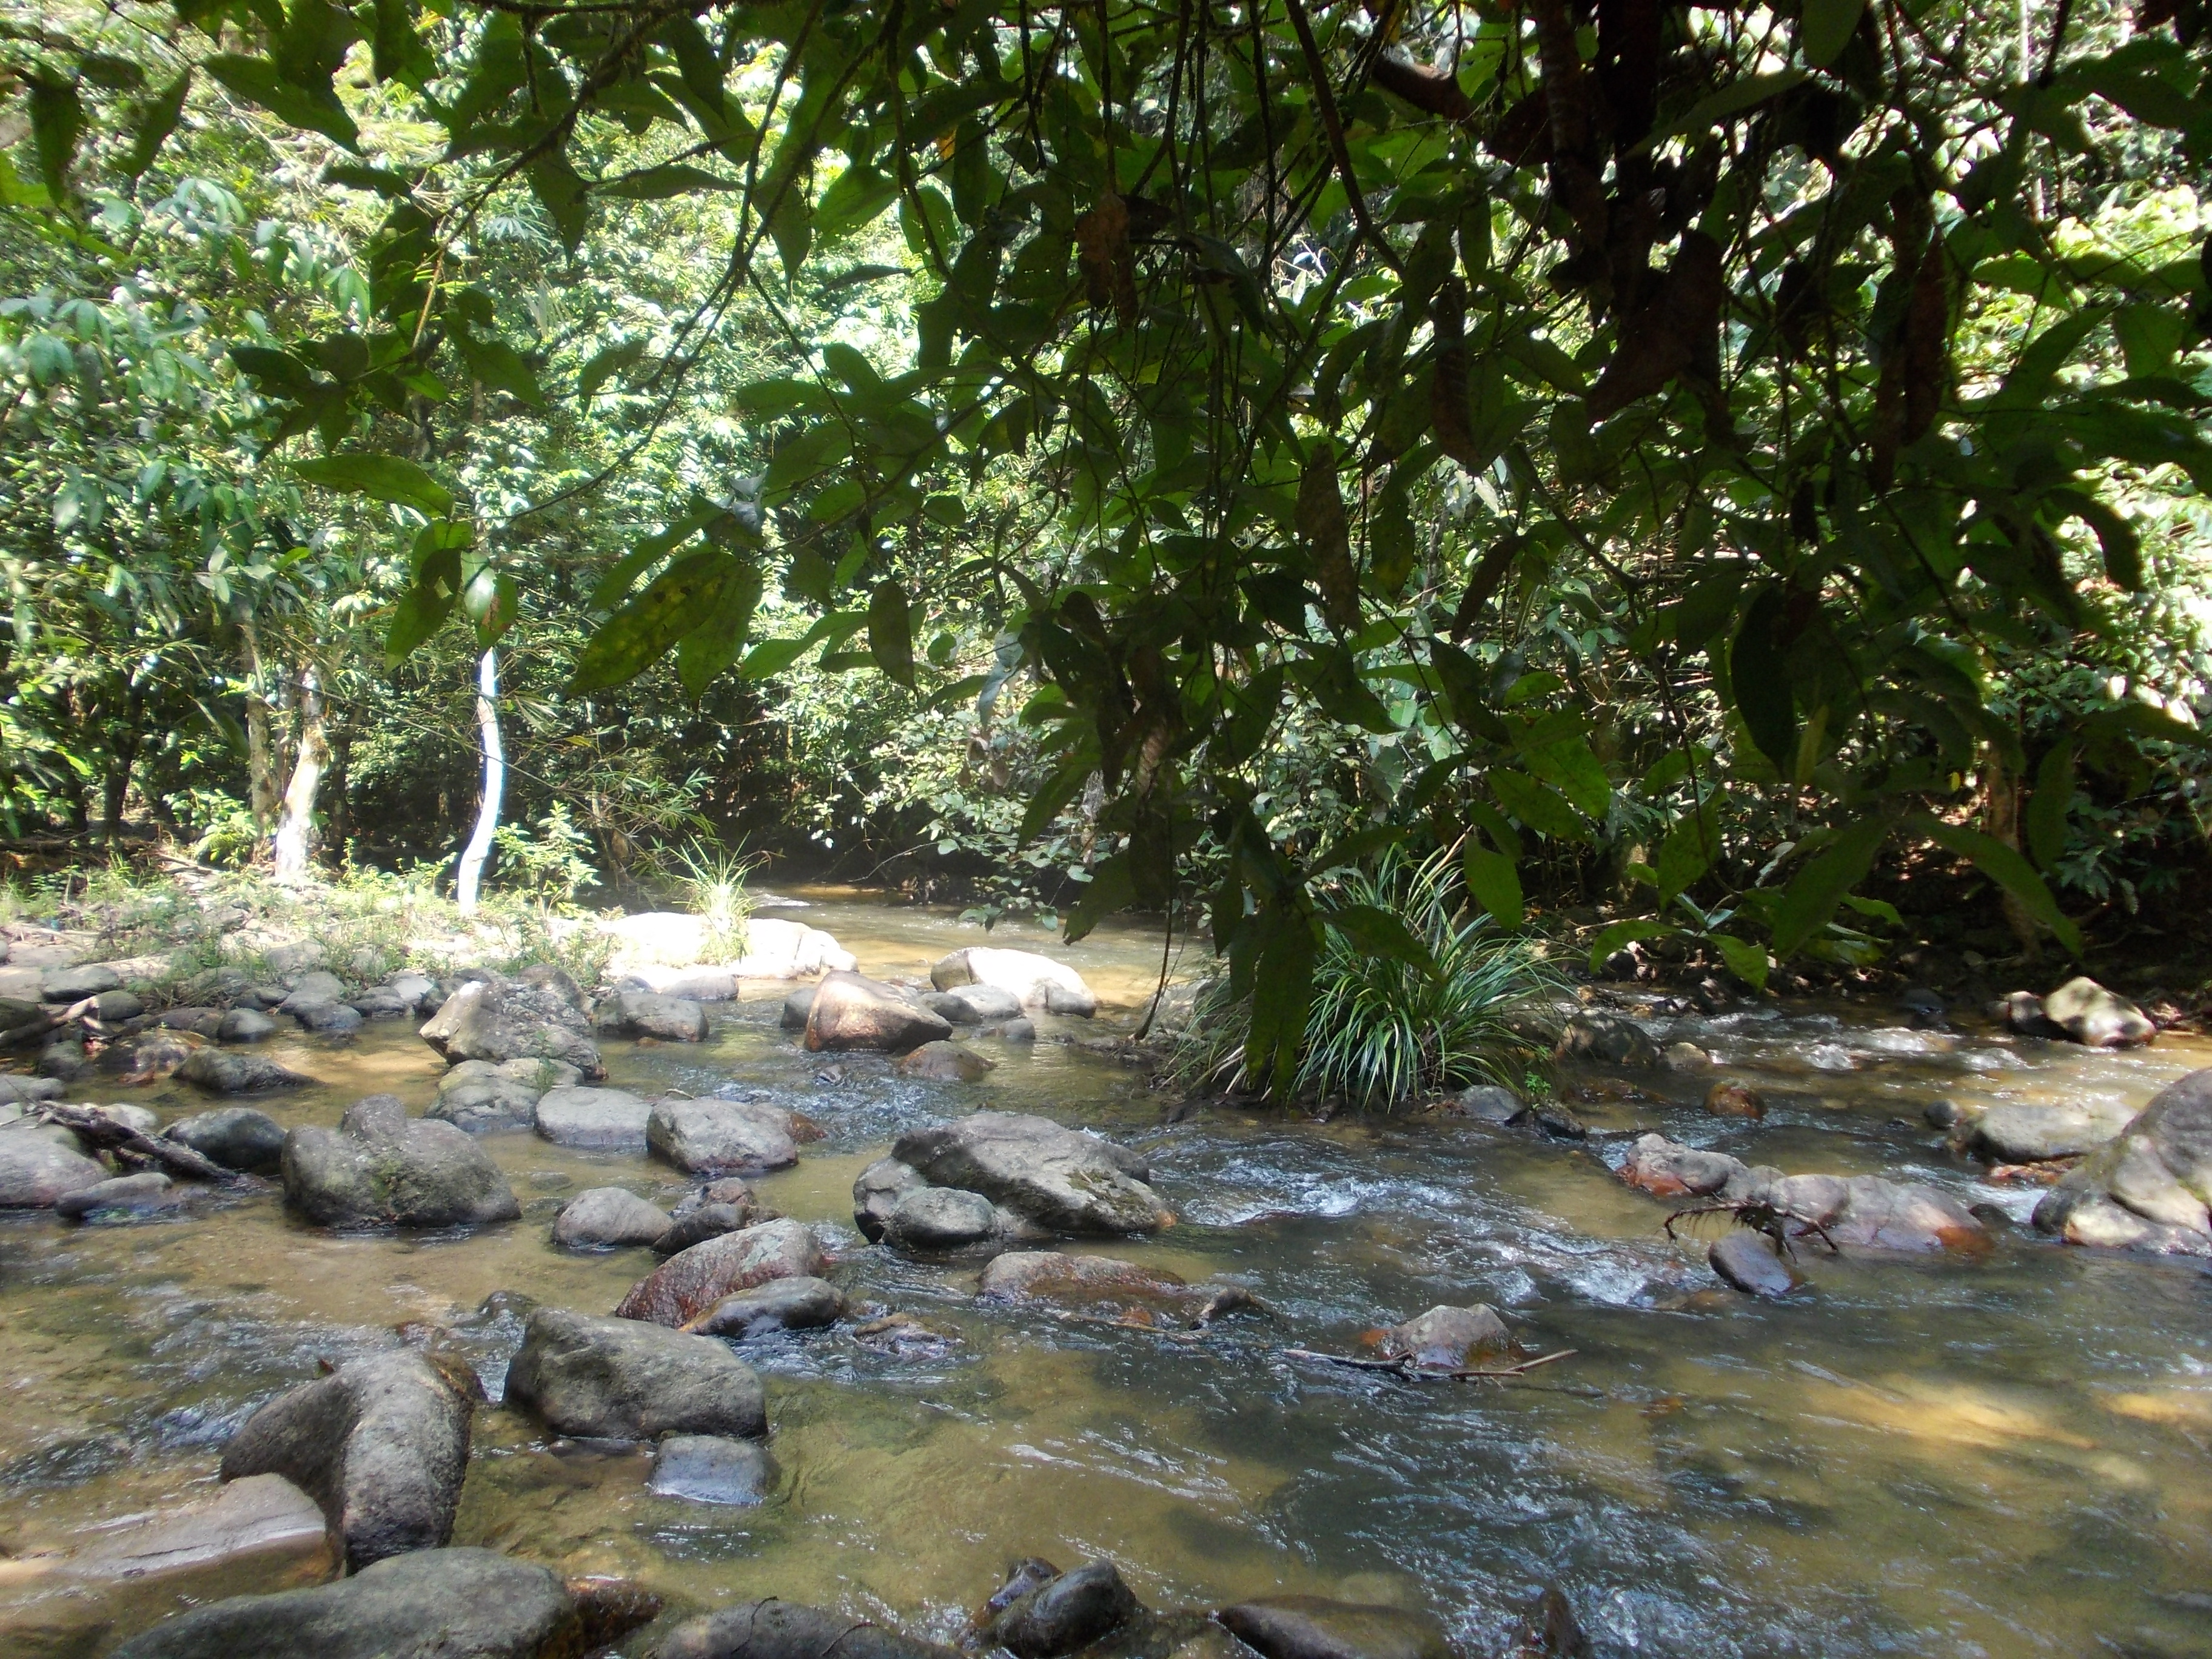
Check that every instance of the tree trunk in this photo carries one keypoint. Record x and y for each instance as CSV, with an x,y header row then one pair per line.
x,y
2001,822
295,830
494,781
260,762
338,820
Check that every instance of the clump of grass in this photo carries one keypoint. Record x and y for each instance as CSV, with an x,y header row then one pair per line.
x,y
716,883
1382,1033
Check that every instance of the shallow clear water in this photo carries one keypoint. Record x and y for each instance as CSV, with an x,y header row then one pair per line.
x,y
2007,1457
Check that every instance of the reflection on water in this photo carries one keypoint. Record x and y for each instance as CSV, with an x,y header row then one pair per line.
x,y
2012,1457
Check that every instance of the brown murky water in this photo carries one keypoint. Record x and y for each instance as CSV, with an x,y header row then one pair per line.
x,y
2003,1458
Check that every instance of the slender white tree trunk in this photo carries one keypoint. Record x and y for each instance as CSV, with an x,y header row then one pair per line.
x,y
295,829
260,759
494,781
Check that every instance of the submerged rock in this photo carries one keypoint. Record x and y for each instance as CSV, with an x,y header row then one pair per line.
x,y
500,1019
594,1120
227,1071
784,1630
623,1379
124,1197
974,1005
2150,1187
712,1469
236,1136
1735,1100
692,1281
1032,979
485,1098
1106,1287
1312,1627
1447,1338
2017,1133
380,1168
433,1604
1065,1613
709,1135
1749,1261
1058,1179
2090,1014
1863,1211
1608,1040
382,1444
944,1063
850,1011
607,1218
782,1304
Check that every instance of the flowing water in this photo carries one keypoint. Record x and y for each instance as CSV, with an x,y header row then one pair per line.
x,y
2004,1457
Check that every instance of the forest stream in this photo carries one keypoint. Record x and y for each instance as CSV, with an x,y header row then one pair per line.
x,y
2011,1455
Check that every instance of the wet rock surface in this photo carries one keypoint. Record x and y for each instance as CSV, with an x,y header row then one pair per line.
x,y
1447,1338
382,1445
2090,1014
236,1136
1863,1211
39,1164
785,1630
2150,1187
712,1469
607,1217
944,1063
228,1072
1060,1180
782,1304
849,1011
693,1280
1750,1262
380,1168
497,1019
594,1119
715,1136
486,1098
1311,1628
1601,1039
626,1379
645,1013
1066,1613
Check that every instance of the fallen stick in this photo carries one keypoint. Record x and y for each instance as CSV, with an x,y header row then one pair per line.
x,y
31,1030
1411,1372
103,1131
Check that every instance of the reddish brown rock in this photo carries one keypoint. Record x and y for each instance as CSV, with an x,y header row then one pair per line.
x,y
690,1282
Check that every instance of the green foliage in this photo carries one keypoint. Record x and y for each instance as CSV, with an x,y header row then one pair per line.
x,y
1412,995
716,885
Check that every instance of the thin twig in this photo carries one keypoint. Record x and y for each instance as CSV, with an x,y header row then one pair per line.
x,y
1413,1373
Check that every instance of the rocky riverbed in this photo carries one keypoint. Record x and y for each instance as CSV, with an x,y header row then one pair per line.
x,y
1976,1437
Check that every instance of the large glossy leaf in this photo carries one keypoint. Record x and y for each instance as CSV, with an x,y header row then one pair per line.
x,y
257,80
2006,868
635,636
891,632
1369,928
1495,882
1815,891
386,477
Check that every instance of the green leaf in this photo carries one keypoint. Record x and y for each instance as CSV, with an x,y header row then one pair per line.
x,y
492,599
157,121
658,184
1537,806
1063,786
891,632
1747,961
2002,865
500,367
1688,853
1495,882
1369,928
714,644
1110,887
397,52
2046,818
1576,772
636,637
429,599
1819,888
1733,98
1759,673
315,108
1825,28
386,477
1626,933
57,122
605,364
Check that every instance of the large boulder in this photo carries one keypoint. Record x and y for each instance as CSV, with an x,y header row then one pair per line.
x,y
709,1136
1033,980
974,1005
1058,1179
378,1167
850,1011
594,1120
690,1282
382,1444
40,1163
1865,1211
434,1604
499,1019
878,1190
774,1629
75,984
236,1136
1606,1040
227,1072
647,1014
668,949
1066,1613
623,1379
487,1098
2150,1187
2013,1133
1310,1627
2090,1014
1447,1338
940,1218
606,1218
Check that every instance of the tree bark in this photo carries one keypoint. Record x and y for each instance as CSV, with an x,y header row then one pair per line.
x,y
260,763
495,782
2001,822
295,830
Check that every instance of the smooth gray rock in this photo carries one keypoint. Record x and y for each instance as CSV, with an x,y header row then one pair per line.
x,y
2090,1014
712,1469
114,1008
1447,1338
244,1026
146,1193
382,1444
775,1629
433,1604
499,1019
483,1098
705,1221
227,1071
850,1011
1489,1103
63,1056
607,1217
380,1168
325,1018
714,1136
796,1006
1055,1178
382,1002
40,1163
625,1379
691,1281
16,1090
1608,1040
782,1304
944,1062
236,1136
199,1021
1066,1614
2012,1132
940,1217
644,1014
1861,1211
313,984
972,1005
594,1120
1748,1261
2150,1187
1030,978
876,1193
75,984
